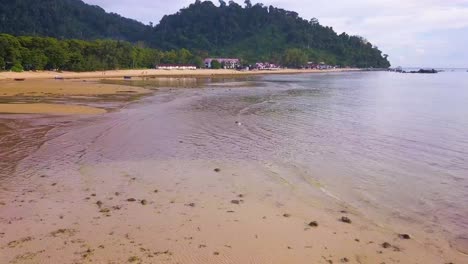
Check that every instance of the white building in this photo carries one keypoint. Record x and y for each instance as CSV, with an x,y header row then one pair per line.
x,y
176,67
227,63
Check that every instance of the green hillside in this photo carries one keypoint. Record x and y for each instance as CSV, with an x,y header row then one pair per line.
x,y
257,32
66,19
250,32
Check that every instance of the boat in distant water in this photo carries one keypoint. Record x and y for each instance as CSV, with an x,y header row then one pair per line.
x,y
19,79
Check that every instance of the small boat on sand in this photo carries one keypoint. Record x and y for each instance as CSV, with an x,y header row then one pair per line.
x,y
19,79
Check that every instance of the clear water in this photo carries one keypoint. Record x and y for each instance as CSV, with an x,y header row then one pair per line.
x,y
393,146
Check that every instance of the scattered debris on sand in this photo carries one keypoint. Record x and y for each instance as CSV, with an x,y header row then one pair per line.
x,y
63,231
18,242
345,219
404,236
133,259
386,245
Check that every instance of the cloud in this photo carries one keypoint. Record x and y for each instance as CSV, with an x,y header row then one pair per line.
x,y
401,29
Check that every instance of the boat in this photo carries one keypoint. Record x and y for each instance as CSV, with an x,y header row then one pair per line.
x,y
19,79
127,77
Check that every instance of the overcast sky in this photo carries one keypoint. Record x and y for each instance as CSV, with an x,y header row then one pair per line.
x,y
419,33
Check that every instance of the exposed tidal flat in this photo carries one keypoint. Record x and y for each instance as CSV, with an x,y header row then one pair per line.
x,y
366,167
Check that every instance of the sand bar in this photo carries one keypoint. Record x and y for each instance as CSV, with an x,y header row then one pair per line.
x,y
40,88
49,109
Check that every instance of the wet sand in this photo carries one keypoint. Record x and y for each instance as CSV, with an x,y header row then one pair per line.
x,y
61,96
183,211
142,185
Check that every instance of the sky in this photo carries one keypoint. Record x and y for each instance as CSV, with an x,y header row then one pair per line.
x,y
414,33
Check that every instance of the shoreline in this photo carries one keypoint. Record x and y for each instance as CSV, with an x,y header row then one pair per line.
x,y
37,92
194,211
149,73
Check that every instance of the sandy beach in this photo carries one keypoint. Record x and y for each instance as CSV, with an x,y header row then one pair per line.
x,y
154,73
183,176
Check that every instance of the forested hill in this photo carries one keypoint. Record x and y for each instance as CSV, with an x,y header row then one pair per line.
x,y
66,19
261,33
250,32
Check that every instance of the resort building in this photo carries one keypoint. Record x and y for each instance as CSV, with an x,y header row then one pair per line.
x,y
266,66
319,66
227,63
176,67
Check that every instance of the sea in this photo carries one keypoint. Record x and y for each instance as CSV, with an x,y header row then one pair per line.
x,y
392,146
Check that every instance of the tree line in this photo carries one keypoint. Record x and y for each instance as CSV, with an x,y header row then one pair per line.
x,y
45,53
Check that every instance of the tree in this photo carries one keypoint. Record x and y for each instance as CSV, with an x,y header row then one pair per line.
x,y
215,64
33,59
197,61
17,67
295,58
10,50
314,21
184,56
